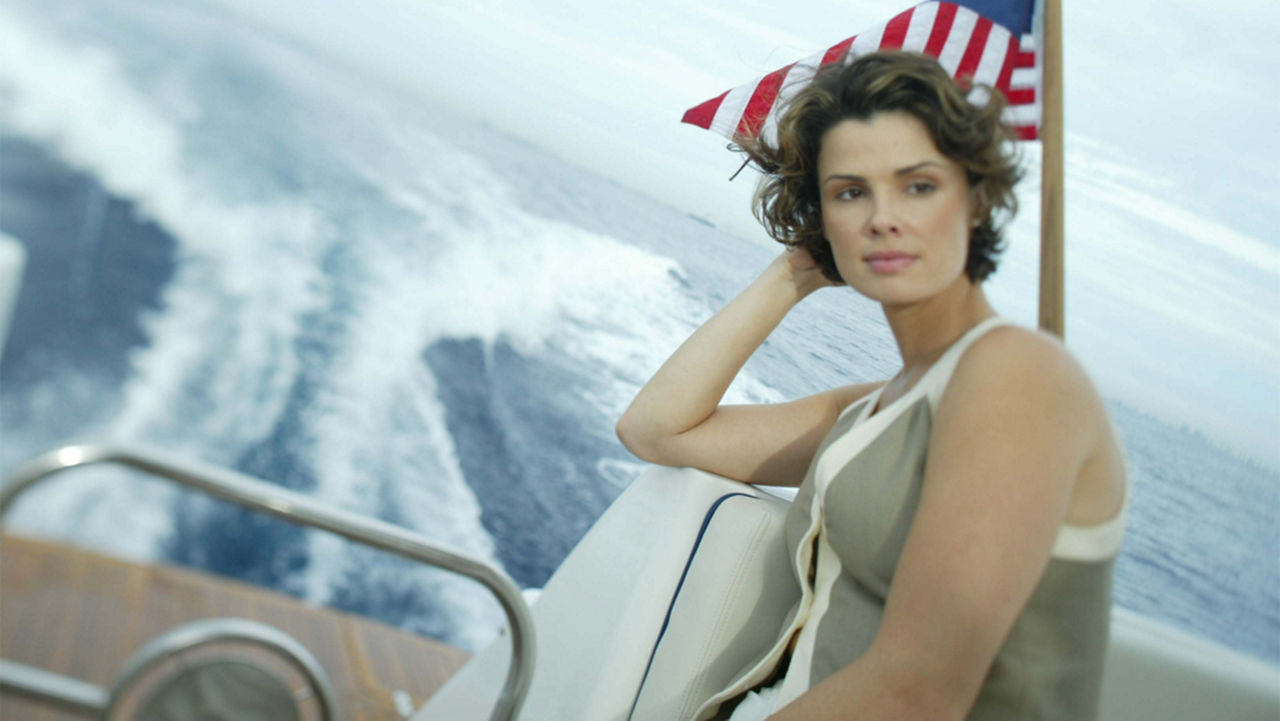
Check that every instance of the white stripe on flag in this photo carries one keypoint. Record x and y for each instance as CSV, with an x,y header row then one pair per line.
x,y
988,71
867,42
923,22
920,28
1022,115
1023,78
957,40
799,76
729,114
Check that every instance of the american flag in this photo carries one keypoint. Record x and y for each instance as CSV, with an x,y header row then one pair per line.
x,y
990,42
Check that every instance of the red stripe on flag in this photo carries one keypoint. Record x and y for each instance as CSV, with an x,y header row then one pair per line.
x,y
764,93
941,29
896,31
1006,70
761,101
836,52
973,53
703,114
1022,96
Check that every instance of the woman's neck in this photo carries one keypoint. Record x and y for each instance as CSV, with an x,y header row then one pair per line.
x,y
923,331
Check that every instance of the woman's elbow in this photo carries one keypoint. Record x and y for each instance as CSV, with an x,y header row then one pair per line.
x,y
641,442
629,435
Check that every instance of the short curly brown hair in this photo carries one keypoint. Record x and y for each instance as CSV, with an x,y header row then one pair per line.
x,y
787,200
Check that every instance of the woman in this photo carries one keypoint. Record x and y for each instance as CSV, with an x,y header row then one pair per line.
x,y
956,526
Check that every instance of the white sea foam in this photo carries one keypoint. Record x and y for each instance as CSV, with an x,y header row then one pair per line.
x,y
238,293
222,360
502,272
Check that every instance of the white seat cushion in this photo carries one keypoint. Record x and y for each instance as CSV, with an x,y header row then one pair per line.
x,y
726,614
600,619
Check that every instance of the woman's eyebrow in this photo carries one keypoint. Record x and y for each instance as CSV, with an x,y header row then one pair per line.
x,y
844,176
901,171
913,168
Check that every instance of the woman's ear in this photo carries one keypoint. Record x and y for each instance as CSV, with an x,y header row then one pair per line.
x,y
979,207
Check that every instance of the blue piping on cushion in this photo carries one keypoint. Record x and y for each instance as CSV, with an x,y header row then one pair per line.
x,y
706,521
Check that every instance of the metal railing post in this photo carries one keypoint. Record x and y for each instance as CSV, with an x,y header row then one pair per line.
x,y
257,495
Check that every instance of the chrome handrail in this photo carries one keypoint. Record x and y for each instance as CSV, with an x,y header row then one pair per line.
x,y
278,502
70,693
213,631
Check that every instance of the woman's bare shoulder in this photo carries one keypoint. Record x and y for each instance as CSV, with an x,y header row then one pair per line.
x,y
1027,358
1029,383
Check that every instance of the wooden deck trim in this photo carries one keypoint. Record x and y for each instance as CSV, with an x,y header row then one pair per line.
x,y
52,590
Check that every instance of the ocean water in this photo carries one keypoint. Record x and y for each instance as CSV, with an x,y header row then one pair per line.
x,y
247,251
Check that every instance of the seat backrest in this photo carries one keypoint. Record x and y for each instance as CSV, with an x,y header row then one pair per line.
x,y
728,610
636,623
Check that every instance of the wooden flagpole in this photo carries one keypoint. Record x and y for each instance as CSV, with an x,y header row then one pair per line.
x,y
1052,280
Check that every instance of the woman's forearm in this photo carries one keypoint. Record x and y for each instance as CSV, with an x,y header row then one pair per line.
x,y
869,690
688,388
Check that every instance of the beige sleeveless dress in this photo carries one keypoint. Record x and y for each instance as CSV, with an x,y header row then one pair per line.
x,y
845,532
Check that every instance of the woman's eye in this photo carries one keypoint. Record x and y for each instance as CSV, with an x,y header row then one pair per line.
x,y
921,187
850,194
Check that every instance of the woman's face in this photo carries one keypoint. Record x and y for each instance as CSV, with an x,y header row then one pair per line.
x,y
896,211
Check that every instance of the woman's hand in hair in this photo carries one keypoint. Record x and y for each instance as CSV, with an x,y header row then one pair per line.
x,y
804,271
677,419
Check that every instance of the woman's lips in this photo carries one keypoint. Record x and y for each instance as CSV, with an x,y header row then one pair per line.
x,y
889,262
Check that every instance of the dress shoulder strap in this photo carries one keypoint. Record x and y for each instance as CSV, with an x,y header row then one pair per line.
x,y
936,378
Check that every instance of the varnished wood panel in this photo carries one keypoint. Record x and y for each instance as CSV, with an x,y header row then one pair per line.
x,y
82,614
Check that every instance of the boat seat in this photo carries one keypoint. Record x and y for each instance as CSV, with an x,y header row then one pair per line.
x,y
666,596
652,612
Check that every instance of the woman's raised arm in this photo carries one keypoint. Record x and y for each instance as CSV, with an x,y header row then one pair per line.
x,y
677,419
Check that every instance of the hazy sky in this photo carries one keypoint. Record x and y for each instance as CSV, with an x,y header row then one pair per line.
x,y
1182,87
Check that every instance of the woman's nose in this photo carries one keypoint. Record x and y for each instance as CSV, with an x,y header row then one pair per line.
x,y
883,221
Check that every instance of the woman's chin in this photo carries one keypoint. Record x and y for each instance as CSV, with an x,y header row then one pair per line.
x,y
904,289
890,291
